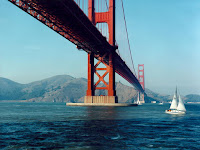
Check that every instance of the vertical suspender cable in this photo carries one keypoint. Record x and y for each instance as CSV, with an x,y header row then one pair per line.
x,y
106,4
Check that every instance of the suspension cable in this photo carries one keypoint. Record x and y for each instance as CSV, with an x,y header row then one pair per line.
x,y
106,4
127,36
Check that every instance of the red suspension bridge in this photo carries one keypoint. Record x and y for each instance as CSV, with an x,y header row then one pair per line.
x,y
90,25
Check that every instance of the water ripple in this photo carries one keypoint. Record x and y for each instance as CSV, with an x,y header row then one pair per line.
x,y
84,129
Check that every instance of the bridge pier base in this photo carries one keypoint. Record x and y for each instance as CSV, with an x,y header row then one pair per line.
x,y
141,98
101,99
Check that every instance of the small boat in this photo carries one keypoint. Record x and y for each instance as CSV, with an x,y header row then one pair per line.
x,y
174,108
161,103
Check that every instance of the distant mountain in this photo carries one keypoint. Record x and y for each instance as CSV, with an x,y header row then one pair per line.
x,y
10,90
192,98
125,93
48,88
64,88
152,96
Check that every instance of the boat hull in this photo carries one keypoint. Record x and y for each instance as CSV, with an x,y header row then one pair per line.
x,y
174,112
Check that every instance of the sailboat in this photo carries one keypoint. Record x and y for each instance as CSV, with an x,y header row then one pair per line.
x,y
174,108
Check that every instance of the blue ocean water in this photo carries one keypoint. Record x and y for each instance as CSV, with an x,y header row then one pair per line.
x,y
57,126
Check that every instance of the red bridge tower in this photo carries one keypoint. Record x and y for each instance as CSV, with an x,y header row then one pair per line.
x,y
141,80
109,18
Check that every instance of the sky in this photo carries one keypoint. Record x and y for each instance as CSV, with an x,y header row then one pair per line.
x,y
164,36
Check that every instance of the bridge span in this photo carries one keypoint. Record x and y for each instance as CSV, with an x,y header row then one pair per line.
x,y
67,19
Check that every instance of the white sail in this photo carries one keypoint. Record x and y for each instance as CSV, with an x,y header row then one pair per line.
x,y
181,105
174,101
174,109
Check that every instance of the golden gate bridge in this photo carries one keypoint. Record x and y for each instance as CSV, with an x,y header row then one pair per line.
x,y
91,25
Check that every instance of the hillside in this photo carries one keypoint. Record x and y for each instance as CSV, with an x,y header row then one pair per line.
x,y
152,96
192,98
61,88
10,90
64,88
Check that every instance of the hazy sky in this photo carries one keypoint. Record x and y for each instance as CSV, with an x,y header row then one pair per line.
x,y
164,36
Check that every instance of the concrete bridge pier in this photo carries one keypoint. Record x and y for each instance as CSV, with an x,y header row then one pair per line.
x,y
100,99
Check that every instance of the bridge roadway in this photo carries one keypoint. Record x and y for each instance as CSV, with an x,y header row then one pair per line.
x,y
66,18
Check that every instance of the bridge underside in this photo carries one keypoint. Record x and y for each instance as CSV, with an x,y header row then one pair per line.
x,y
66,18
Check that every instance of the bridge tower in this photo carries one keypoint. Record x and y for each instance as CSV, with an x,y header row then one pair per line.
x,y
141,80
109,18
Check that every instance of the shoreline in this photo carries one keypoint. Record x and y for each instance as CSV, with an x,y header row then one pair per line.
x,y
193,102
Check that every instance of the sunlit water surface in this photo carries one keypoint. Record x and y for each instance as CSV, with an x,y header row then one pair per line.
x,y
57,126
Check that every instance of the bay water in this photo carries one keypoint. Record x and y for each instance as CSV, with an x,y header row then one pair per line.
x,y
57,126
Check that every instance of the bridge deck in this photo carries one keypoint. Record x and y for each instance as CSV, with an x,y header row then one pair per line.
x,y
71,22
